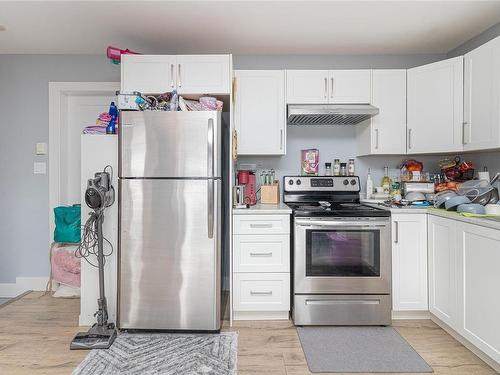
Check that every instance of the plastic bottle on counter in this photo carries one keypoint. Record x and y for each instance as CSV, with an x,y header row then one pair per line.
x,y
336,167
369,185
113,112
386,181
351,168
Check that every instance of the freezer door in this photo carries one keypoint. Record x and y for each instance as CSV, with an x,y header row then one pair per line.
x,y
169,255
170,144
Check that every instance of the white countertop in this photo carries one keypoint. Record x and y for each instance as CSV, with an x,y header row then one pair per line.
x,y
264,209
493,223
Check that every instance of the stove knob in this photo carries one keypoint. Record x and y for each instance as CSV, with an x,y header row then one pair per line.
x,y
298,182
353,182
346,182
290,182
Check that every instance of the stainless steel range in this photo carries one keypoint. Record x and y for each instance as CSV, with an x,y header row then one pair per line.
x,y
341,253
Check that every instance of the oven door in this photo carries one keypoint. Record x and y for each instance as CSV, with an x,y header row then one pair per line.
x,y
342,256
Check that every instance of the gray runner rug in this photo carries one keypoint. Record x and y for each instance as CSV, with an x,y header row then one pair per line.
x,y
359,349
145,354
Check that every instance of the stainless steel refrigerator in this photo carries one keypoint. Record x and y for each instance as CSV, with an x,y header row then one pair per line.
x,y
169,269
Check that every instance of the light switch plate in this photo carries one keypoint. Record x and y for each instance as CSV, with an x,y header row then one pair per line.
x,y
39,167
41,148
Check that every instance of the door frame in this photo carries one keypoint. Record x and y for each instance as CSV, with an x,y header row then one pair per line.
x,y
58,106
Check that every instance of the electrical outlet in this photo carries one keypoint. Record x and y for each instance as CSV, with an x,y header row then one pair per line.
x,y
39,167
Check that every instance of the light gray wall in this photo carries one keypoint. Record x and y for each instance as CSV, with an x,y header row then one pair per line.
x,y
24,116
336,142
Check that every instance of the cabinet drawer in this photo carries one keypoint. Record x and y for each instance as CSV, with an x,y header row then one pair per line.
x,y
261,253
261,224
261,291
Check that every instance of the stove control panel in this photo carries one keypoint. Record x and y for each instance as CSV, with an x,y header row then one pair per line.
x,y
321,183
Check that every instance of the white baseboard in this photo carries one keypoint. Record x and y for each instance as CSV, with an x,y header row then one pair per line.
x,y
22,285
396,315
261,315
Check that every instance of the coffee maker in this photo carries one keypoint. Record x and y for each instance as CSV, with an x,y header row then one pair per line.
x,y
247,179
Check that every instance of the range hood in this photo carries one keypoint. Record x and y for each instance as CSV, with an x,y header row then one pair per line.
x,y
329,114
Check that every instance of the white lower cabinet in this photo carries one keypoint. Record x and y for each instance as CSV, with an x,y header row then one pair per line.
x,y
261,224
464,279
478,287
261,291
261,253
443,252
261,266
409,262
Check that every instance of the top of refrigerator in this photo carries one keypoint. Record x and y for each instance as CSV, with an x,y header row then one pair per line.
x,y
178,145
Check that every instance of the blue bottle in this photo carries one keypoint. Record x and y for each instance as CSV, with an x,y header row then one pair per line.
x,y
113,112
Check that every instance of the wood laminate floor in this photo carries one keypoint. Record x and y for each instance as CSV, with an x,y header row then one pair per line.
x,y
35,332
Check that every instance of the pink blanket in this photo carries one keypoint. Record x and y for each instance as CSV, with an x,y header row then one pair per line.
x,y
65,266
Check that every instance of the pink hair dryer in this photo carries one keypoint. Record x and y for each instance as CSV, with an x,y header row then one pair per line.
x,y
115,54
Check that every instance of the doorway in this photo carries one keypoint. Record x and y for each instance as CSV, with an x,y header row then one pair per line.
x,y
72,107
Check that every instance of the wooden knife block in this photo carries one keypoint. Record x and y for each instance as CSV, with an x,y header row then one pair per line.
x,y
270,194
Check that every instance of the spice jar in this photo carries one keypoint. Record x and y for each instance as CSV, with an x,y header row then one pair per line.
x,y
350,167
336,167
343,169
328,169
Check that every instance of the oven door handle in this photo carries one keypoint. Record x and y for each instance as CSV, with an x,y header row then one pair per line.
x,y
333,225
342,302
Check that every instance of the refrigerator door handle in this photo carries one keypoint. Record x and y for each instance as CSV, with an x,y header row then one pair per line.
x,y
210,173
210,208
210,148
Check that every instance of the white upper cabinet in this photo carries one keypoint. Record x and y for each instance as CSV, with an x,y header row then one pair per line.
x,y
443,288
259,112
350,86
481,97
386,132
189,74
435,107
409,262
198,74
307,86
148,74
328,86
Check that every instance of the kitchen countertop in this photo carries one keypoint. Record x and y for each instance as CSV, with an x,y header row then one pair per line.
x,y
493,223
264,209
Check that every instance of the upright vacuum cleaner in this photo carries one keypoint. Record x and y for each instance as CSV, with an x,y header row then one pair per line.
x,y
99,195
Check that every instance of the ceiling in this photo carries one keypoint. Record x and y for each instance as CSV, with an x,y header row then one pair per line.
x,y
243,27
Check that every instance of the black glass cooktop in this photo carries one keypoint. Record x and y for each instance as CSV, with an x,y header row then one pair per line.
x,y
337,209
